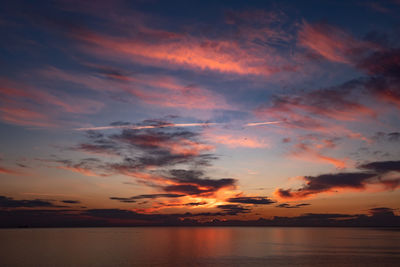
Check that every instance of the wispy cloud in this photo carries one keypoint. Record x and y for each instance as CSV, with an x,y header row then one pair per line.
x,y
166,125
30,106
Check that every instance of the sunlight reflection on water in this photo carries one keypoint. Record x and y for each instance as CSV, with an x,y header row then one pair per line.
x,y
213,246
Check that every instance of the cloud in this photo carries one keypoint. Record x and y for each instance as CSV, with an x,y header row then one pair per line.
x,y
377,59
87,166
188,97
7,171
157,218
295,206
193,183
337,103
382,166
383,70
389,137
168,159
155,89
139,150
174,142
243,43
251,200
373,176
328,110
71,201
116,217
26,117
382,212
234,141
9,202
326,183
161,124
146,196
319,216
231,209
29,106
312,153
190,52
331,42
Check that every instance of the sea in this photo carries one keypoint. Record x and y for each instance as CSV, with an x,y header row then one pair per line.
x,y
200,246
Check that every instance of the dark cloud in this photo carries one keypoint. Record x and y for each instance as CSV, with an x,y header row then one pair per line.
x,y
319,216
143,148
356,180
381,216
231,209
195,203
146,196
382,211
390,137
394,136
151,155
9,202
185,189
86,166
327,182
122,214
124,200
383,70
22,165
385,62
108,72
118,214
71,201
251,200
99,144
193,183
382,166
295,206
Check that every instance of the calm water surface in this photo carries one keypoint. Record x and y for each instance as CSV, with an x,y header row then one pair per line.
x,y
180,246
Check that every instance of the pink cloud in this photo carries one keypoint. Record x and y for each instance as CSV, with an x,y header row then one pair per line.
x,y
26,105
234,141
7,171
79,170
196,53
331,42
25,117
311,153
158,90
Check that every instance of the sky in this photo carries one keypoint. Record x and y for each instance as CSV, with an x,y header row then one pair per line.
x,y
155,112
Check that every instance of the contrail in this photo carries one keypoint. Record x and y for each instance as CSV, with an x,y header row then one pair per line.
x,y
134,127
140,127
262,123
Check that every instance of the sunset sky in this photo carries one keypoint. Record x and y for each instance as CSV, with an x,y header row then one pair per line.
x,y
146,111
